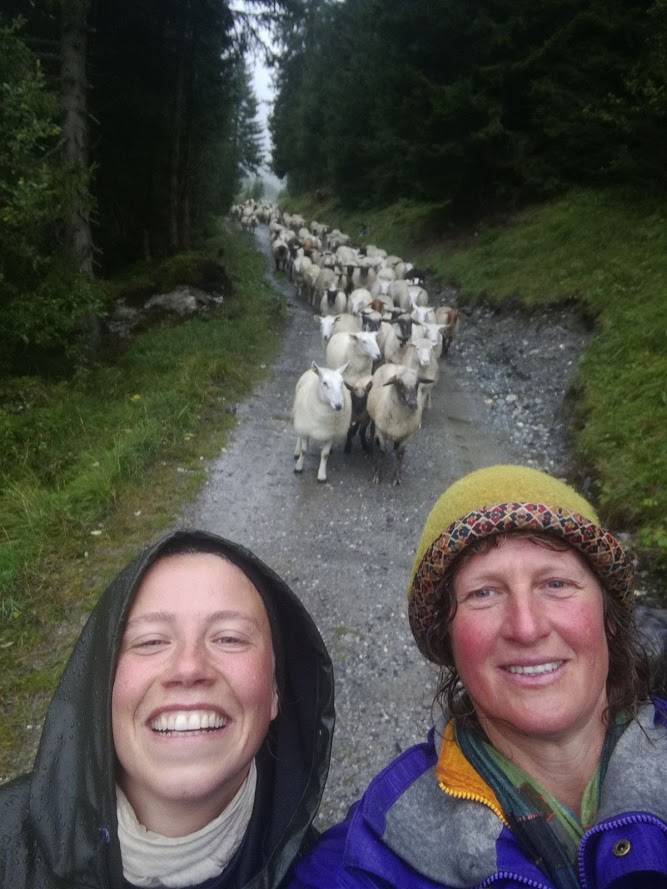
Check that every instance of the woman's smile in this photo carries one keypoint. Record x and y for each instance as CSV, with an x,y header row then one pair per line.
x,y
188,721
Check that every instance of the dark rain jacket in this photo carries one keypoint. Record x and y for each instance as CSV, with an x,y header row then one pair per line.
x,y
58,825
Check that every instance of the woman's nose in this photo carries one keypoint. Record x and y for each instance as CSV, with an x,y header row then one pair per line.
x,y
191,664
525,619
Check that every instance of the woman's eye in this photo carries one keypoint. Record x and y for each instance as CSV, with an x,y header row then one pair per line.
x,y
482,596
559,585
148,643
230,639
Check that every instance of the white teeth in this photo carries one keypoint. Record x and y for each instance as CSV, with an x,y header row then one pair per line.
x,y
538,668
188,721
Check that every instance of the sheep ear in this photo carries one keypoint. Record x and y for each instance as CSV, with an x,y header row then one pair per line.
x,y
314,368
343,368
369,386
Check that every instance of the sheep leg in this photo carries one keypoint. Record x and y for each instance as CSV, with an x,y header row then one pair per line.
x,y
371,438
366,447
399,450
379,459
351,432
324,456
300,453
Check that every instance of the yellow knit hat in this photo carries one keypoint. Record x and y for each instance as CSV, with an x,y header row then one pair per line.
x,y
501,499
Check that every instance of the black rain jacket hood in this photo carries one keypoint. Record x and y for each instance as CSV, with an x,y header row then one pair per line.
x,y
58,825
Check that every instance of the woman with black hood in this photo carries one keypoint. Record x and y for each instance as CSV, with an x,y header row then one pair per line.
x,y
188,742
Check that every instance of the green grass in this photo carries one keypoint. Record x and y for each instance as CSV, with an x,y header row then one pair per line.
x,y
91,470
605,255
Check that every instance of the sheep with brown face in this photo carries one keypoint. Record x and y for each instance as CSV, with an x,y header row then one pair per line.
x,y
395,410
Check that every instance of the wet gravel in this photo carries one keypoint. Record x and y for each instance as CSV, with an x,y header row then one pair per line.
x,y
523,364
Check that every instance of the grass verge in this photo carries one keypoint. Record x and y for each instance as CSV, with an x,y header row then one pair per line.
x,y
93,469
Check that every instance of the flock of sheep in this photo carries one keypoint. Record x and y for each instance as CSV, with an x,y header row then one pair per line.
x,y
383,342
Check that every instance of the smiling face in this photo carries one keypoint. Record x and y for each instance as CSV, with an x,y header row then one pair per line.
x,y
529,643
194,691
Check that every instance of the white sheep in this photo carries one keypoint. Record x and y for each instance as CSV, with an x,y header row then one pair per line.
x,y
423,314
395,409
417,296
327,278
298,272
420,357
398,290
373,252
330,324
346,255
321,413
380,287
403,269
359,350
334,302
434,332
363,274
358,300
249,222
310,275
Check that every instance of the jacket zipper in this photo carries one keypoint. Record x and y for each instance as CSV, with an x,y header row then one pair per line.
x,y
612,825
475,798
508,875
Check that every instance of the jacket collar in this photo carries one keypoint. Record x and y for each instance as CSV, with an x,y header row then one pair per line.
x,y
452,840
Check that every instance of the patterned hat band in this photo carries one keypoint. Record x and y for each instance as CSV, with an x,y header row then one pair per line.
x,y
606,555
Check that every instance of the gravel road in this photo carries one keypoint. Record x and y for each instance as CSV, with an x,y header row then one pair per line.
x,y
346,547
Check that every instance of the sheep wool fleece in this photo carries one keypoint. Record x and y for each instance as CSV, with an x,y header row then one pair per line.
x,y
408,832
58,824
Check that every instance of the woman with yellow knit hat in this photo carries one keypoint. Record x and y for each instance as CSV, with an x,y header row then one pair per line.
x,y
549,768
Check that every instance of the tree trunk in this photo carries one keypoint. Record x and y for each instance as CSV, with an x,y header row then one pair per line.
x,y
74,87
179,209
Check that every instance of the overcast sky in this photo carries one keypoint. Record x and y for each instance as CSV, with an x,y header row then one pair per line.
x,y
261,82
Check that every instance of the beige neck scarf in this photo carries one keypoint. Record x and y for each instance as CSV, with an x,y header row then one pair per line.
x,y
151,860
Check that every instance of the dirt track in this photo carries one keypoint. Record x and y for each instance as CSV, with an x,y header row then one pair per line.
x,y
346,547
